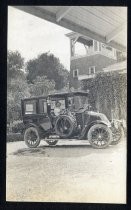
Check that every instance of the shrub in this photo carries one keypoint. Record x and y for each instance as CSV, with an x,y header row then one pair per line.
x,y
17,127
108,93
12,137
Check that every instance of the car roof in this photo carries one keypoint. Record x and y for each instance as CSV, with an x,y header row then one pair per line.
x,y
34,98
71,93
60,94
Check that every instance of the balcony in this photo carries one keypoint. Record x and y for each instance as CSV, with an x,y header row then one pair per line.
x,y
83,47
86,76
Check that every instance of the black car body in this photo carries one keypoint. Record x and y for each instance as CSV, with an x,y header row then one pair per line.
x,y
75,120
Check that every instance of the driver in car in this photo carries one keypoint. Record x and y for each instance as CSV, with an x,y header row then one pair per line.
x,y
57,108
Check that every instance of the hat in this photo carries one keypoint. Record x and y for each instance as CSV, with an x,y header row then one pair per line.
x,y
57,103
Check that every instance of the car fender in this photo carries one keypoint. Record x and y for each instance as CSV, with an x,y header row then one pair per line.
x,y
98,122
90,124
31,125
40,130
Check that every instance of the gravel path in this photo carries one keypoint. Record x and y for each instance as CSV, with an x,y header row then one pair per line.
x,y
70,172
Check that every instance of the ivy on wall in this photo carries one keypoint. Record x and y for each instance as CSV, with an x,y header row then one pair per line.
x,y
108,93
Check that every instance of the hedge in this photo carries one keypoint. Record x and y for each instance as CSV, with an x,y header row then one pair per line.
x,y
108,93
16,127
13,137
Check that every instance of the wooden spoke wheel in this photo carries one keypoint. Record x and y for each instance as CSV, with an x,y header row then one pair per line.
x,y
99,136
31,137
117,135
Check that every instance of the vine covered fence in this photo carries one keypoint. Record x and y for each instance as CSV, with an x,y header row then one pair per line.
x,y
108,94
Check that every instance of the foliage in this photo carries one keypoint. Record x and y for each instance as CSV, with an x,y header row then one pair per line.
x,y
44,74
16,127
14,61
17,87
41,86
108,92
121,56
15,64
47,65
13,137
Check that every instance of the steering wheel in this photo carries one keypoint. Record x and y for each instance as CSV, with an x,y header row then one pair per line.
x,y
84,108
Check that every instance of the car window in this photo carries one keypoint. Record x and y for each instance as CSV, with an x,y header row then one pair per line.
x,y
30,107
77,102
42,106
53,103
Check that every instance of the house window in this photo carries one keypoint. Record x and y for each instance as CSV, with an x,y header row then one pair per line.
x,y
75,73
92,70
107,47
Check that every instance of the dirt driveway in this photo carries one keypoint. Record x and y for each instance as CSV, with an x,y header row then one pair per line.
x,y
70,172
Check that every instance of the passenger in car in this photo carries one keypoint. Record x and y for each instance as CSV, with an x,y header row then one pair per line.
x,y
57,108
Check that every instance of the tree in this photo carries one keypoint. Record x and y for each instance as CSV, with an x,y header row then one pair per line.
x,y
17,87
47,65
41,86
15,64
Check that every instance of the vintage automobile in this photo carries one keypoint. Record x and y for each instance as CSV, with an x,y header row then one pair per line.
x,y
75,120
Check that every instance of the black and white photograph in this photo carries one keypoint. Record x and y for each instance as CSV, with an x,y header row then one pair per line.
x,y
66,126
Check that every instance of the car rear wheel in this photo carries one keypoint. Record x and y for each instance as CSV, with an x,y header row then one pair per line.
x,y
99,136
52,142
31,137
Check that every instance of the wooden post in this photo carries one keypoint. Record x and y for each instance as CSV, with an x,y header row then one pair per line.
x,y
72,47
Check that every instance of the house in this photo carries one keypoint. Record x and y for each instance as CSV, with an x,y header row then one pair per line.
x,y
108,91
88,57
120,67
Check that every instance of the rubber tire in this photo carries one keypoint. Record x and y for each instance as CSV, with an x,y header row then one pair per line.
x,y
38,140
89,134
51,143
73,126
117,141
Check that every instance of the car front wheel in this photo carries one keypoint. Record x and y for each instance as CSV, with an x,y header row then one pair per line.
x,y
99,136
31,137
118,134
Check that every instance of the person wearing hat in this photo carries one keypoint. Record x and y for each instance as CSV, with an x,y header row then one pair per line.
x,y
57,108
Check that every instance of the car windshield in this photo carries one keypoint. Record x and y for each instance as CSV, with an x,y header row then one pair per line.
x,y
53,101
78,102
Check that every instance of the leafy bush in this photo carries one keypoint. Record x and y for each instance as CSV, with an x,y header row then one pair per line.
x,y
17,87
108,93
14,137
41,86
17,127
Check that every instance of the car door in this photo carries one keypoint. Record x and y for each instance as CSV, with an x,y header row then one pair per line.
x,y
44,119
